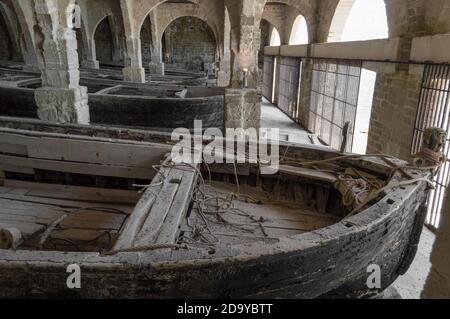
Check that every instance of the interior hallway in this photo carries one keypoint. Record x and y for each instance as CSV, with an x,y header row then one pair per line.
x,y
290,131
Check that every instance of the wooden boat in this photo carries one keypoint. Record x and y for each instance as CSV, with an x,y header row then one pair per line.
x,y
161,105
70,195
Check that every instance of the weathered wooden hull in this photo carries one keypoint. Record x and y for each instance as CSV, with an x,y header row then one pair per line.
x,y
328,263
125,105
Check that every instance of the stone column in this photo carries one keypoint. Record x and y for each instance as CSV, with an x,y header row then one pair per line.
x,y
305,86
223,78
116,36
243,100
61,98
243,108
25,16
133,71
91,61
156,65
396,96
438,283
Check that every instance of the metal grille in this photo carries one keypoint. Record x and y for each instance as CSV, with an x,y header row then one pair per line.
x,y
434,111
289,86
334,100
269,63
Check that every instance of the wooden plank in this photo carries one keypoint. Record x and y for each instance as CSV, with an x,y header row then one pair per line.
x,y
158,213
16,169
88,151
76,193
78,168
170,229
139,215
13,149
59,202
88,220
157,216
48,212
309,174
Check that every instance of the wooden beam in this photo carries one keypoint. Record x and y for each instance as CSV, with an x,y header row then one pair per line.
x,y
76,193
21,164
62,148
158,215
309,174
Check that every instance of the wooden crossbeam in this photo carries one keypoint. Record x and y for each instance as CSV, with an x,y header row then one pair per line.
x,y
159,214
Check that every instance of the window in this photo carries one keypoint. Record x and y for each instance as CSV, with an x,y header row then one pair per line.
x,y
299,33
334,100
358,20
269,62
289,86
434,111
275,39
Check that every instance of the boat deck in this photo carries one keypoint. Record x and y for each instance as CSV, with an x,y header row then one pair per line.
x,y
217,219
90,219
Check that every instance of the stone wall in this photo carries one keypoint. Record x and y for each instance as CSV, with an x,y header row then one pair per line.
x,y
305,90
189,44
104,42
265,41
166,114
394,113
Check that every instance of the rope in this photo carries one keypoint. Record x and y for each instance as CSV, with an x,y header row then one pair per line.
x,y
377,193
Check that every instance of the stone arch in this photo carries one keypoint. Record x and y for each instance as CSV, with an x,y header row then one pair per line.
x,y
203,18
104,40
82,42
299,31
195,47
266,30
9,30
342,14
275,38
306,8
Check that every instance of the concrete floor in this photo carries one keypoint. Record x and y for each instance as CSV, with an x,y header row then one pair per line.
x,y
410,285
273,117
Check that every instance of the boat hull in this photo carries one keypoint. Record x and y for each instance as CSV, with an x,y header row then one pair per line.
x,y
331,262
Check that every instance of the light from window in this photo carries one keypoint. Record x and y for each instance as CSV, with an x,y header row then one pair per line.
x,y
275,39
367,21
299,33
